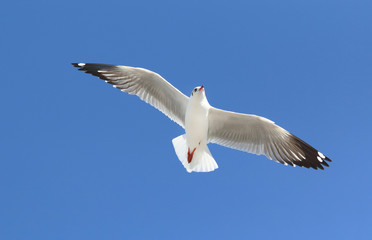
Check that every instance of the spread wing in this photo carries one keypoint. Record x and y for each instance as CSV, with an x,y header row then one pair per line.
x,y
148,86
258,135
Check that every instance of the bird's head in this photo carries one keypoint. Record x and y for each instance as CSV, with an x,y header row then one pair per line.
x,y
198,92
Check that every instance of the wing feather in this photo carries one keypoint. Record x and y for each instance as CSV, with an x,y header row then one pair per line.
x,y
147,85
258,135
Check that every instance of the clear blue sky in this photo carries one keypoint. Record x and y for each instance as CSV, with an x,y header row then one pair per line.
x,y
81,160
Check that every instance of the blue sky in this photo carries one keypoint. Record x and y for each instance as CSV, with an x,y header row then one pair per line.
x,y
81,160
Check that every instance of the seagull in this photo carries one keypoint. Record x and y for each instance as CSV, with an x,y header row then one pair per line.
x,y
205,124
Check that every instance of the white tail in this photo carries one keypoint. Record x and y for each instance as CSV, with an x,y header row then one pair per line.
x,y
202,160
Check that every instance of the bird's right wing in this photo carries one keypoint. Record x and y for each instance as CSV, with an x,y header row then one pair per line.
x,y
259,135
147,85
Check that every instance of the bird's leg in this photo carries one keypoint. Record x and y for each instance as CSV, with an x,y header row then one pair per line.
x,y
190,155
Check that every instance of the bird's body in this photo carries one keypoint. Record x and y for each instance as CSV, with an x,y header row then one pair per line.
x,y
205,124
196,120
196,128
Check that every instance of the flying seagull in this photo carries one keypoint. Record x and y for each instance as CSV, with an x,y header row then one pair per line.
x,y
205,124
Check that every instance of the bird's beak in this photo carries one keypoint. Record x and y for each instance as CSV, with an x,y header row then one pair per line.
x,y
201,88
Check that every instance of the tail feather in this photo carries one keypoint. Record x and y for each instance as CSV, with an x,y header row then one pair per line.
x,y
202,160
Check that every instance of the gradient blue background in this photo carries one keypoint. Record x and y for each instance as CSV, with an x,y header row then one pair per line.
x,y
81,160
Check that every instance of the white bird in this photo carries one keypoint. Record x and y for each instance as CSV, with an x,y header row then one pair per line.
x,y
205,124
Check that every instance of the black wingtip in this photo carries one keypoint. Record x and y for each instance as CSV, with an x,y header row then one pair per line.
x,y
79,65
312,158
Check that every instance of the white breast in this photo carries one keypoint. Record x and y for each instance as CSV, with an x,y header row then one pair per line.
x,y
196,123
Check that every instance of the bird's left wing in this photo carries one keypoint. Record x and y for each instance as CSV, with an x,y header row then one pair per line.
x,y
147,85
259,135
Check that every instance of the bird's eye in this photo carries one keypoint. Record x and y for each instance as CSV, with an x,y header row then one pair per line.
x,y
195,90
